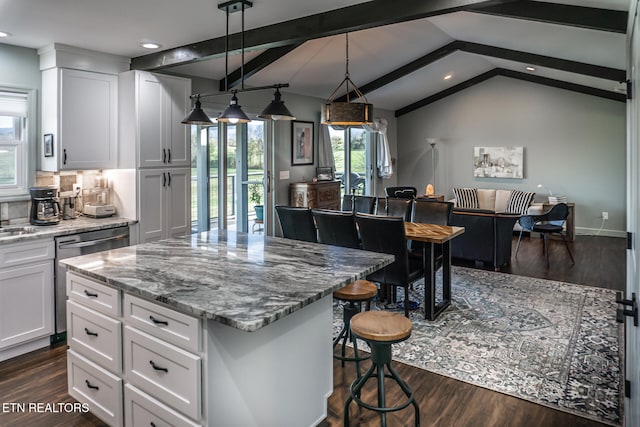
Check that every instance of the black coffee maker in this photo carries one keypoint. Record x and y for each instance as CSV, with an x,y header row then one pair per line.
x,y
45,210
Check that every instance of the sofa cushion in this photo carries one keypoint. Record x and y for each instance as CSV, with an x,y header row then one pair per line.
x,y
519,202
486,199
466,197
502,200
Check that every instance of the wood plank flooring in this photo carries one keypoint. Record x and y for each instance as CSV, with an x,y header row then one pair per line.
x,y
600,261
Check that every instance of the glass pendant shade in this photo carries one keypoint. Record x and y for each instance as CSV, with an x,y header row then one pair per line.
x,y
197,116
233,114
276,110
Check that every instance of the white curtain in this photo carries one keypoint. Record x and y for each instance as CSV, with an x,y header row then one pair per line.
x,y
379,126
325,152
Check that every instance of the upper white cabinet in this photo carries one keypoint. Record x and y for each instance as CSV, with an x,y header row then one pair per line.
x,y
80,111
152,107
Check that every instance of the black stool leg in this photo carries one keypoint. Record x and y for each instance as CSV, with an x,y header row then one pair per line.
x,y
349,310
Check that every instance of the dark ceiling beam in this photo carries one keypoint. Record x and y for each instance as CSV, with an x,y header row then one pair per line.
x,y
258,63
554,13
361,16
515,75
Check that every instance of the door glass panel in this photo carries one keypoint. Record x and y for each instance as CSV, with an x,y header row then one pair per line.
x,y
214,176
358,158
353,160
338,147
256,174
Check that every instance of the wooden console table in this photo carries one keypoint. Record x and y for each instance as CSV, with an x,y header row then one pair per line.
x,y
321,194
570,225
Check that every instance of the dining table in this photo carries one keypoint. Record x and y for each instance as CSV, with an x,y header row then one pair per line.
x,y
431,235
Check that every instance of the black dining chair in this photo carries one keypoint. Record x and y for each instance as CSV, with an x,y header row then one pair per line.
x,y
549,222
430,212
401,192
297,223
386,234
398,207
336,228
357,203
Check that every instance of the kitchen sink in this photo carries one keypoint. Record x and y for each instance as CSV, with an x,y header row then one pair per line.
x,y
16,231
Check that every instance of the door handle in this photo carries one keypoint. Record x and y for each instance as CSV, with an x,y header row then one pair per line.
x,y
164,180
268,177
169,175
164,155
169,157
64,157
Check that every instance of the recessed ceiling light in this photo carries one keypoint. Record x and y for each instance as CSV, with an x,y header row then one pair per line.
x,y
530,68
448,76
150,45
4,34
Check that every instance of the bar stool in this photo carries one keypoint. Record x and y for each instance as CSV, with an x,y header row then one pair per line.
x,y
357,292
380,329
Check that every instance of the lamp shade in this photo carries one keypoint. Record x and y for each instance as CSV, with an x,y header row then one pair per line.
x,y
233,113
197,116
347,113
276,110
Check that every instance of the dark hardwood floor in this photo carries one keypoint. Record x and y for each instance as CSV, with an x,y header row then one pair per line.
x,y
600,261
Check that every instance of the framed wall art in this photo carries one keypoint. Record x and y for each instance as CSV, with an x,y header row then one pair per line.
x,y
498,162
301,143
324,173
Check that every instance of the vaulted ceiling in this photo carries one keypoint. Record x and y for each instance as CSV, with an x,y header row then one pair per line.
x,y
399,52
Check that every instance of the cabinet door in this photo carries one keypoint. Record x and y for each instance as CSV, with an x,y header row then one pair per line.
x,y
26,303
179,202
151,204
151,125
177,91
88,132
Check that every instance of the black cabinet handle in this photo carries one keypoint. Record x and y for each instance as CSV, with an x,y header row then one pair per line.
x,y
90,294
152,424
169,151
164,155
159,322
169,173
64,157
88,332
164,180
95,387
156,367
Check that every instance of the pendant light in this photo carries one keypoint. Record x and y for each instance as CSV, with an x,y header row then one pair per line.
x,y
197,116
347,113
234,114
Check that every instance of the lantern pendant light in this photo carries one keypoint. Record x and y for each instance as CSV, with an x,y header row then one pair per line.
x,y
347,113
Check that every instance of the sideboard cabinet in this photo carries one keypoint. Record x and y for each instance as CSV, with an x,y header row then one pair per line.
x,y
321,194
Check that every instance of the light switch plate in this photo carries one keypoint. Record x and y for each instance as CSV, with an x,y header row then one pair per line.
x,y
284,174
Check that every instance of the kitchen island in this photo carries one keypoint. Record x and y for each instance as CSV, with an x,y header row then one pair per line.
x,y
260,353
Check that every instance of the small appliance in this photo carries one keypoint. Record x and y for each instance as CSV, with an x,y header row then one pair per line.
x,y
45,210
96,200
68,207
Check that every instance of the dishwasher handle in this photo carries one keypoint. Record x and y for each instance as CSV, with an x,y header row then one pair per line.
x,y
91,242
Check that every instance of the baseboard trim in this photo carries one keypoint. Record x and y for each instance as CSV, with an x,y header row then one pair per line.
x,y
600,232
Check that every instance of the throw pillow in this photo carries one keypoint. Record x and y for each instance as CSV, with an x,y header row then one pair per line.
x,y
519,202
466,198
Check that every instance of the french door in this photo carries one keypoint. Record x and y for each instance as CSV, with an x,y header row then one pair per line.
x,y
231,170
353,157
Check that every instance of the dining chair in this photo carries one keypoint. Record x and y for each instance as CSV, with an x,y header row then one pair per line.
x,y
401,192
429,212
386,234
549,222
398,207
336,228
297,223
357,203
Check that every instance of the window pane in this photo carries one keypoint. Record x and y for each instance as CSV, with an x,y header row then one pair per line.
x,y
8,162
9,128
358,158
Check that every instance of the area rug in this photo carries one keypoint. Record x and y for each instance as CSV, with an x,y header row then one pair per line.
x,y
552,343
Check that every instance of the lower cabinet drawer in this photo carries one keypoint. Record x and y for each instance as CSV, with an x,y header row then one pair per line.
x,y
166,372
100,389
95,336
140,409
93,294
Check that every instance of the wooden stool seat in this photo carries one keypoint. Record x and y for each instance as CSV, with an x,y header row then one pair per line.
x,y
360,290
381,326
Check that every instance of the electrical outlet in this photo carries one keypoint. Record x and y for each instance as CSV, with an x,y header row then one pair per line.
x,y
605,215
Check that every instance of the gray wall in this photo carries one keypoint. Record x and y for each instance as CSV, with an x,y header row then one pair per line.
x,y
574,144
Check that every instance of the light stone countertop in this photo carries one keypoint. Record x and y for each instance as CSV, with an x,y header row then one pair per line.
x,y
241,280
64,227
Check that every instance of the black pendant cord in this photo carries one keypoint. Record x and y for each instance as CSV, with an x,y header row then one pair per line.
x,y
346,73
226,56
242,51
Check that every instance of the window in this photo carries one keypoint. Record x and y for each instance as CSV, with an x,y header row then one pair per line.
x,y
353,159
15,164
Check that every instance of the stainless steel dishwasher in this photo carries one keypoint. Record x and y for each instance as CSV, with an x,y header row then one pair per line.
x,y
76,245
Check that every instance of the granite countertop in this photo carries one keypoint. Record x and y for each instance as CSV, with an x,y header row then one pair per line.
x,y
241,280
65,227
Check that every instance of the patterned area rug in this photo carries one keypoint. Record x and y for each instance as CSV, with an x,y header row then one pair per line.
x,y
552,343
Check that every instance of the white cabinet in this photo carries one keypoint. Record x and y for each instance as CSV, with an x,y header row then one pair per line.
x,y
26,297
152,107
80,111
164,203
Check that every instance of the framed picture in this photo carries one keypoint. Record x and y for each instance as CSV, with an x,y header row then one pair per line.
x,y
301,143
498,162
48,145
324,174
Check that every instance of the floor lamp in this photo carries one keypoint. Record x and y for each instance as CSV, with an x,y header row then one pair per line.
x,y
432,143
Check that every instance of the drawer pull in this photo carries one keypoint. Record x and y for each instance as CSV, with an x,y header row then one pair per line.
x,y
95,387
90,294
152,424
159,322
88,332
157,368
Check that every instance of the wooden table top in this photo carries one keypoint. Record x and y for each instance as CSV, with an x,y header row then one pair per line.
x,y
431,233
